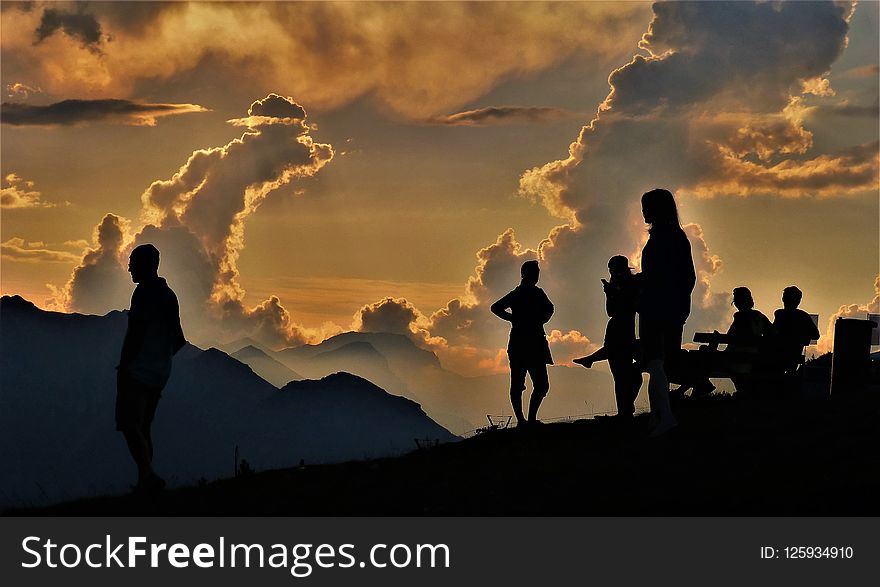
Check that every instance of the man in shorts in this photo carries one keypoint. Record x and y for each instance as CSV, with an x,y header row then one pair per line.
x,y
153,336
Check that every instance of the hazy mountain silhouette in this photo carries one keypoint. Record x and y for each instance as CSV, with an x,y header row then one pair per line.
x,y
57,437
265,366
459,403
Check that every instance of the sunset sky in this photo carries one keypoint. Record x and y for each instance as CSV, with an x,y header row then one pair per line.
x,y
413,155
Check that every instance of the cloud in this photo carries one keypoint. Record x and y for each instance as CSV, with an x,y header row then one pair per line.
x,y
863,71
77,24
73,112
713,104
497,115
196,219
826,341
850,171
16,249
569,346
19,193
329,54
395,315
20,90
848,110
99,282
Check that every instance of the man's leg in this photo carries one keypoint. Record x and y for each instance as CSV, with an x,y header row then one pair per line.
x,y
140,452
517,386
540,387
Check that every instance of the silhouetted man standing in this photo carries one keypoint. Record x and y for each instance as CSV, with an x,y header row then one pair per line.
x,y
153,336
528,309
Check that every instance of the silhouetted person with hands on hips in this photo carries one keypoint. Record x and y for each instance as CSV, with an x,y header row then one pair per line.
x,y
794,328
621,296
153,336
667,280
527,308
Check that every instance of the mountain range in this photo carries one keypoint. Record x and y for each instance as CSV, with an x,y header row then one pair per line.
x,y
57,431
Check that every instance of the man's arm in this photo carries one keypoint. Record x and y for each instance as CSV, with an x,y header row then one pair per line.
x,y
547,310
178,340
134,334
500,308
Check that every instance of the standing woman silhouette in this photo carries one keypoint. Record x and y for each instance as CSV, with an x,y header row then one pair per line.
x,y
667,280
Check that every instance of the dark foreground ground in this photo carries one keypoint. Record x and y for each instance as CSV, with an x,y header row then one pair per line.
x,y
729,457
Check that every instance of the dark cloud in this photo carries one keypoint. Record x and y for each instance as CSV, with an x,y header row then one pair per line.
x,y
72,112
77,24
755,51
496,115
275,106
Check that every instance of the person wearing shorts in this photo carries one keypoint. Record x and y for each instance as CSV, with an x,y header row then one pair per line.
x,y
528,308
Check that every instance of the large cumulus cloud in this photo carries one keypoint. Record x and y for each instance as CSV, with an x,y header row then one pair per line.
x,y
417,59
197,219
714,106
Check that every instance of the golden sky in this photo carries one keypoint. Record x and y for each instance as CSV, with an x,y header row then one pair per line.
x,y
308,168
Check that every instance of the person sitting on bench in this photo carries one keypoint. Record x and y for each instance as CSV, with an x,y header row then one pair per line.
x,y
794,327
750,333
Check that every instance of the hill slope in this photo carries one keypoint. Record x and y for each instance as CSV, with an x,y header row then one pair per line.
x,y
57,429
729,457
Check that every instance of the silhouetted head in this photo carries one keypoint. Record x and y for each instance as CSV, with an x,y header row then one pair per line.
x,y
618,266
742,298
143,262
658,207
529,272
791,297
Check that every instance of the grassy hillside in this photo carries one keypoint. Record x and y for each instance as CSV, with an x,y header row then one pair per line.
x,y
729,457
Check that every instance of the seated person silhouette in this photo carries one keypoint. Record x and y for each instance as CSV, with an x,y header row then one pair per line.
x,y
153,336
750,332
527,308
794,329
621,297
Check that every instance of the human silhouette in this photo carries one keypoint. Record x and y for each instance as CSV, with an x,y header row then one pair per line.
x,y
750,333
794,328
750,330
667,280
527,308
621,296
153,336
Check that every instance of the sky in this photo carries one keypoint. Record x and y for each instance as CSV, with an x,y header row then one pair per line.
x,y
311,168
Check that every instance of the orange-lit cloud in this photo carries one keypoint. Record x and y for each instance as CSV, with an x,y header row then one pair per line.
x,y
78,112
21,91
17,249
327,53
714,78
826,341
196,219
19,193
851,171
